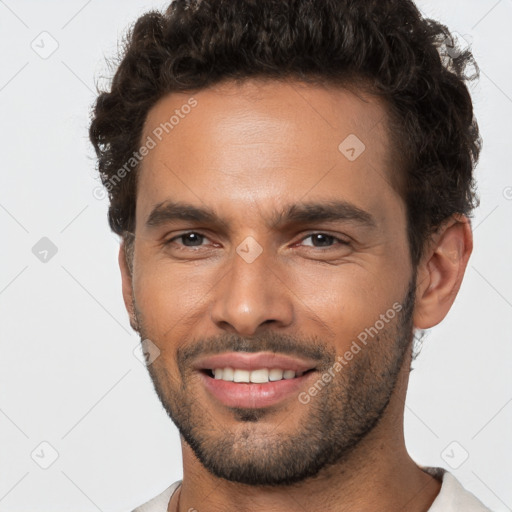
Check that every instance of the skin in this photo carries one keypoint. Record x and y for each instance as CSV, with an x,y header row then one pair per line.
x,y
244,151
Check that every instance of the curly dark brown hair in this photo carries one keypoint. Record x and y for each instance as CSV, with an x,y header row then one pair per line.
x,y
386,46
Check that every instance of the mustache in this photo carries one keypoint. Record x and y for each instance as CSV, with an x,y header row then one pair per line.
x,y
310,347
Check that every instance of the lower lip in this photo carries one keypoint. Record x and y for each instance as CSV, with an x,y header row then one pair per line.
x,y
253,396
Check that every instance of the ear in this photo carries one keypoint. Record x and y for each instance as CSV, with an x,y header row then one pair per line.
x,y
441,270
126,279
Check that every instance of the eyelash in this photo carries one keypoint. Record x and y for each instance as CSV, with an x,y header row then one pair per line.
x,y
337,239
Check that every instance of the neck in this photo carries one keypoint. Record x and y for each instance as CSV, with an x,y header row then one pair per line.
x,y
377,475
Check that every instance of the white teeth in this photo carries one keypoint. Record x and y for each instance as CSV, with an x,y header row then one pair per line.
x,y
242,376
228,374
275,374
259,376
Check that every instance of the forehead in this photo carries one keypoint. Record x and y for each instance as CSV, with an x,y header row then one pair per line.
x,y
265,141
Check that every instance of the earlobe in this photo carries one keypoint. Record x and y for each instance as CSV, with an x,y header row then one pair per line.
x,y
441,271
127,289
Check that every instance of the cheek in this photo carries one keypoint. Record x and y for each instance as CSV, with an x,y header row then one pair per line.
x,y
344,301
171,296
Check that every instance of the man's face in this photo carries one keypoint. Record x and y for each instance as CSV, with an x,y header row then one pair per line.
x,y
306,254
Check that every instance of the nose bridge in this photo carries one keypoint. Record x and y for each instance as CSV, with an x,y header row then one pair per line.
x,y
250,294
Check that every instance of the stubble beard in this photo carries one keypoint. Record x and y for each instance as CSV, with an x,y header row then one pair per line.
x,y
258,452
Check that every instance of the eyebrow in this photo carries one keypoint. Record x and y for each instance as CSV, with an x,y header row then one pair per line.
x,y
299,213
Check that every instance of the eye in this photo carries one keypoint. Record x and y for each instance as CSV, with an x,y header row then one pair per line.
x,y
189,239
323,240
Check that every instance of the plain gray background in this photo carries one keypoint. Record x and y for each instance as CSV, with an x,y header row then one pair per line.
x,y
68,374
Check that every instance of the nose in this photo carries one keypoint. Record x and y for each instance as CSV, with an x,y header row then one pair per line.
x,y
251,296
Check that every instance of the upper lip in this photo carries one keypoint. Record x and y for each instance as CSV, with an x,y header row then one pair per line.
x,y
254,361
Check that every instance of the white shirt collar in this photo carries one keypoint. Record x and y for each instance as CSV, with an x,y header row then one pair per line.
x,y
451,498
